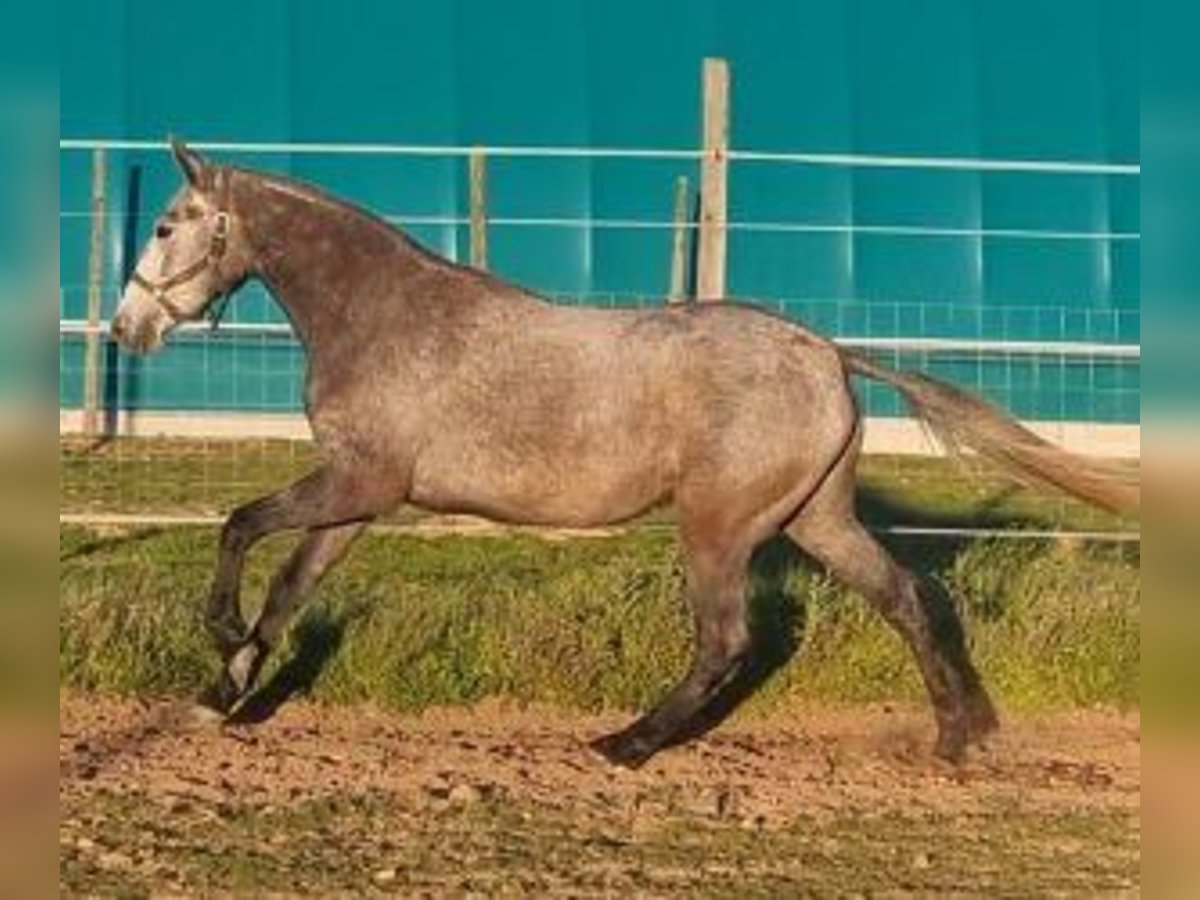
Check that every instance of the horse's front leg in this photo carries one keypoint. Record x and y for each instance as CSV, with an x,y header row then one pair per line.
x,y
319,551
330,496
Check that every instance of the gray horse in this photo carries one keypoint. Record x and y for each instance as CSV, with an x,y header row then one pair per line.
x,y
442,386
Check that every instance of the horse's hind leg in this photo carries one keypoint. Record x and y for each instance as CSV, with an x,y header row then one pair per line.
x,y
319,551
716,592
725,511
828,530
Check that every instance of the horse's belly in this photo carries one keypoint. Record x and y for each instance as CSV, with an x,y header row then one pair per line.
x,y
532,490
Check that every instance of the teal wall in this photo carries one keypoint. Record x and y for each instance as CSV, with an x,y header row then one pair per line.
x,y
1002,79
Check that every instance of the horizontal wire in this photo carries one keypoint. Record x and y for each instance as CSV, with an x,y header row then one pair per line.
x,y
386,149
1015,348
955,163
780,227
845,160
1007,309
902,344
1014,533
167,519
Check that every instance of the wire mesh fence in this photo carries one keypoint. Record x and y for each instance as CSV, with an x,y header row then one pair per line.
x,y
218,420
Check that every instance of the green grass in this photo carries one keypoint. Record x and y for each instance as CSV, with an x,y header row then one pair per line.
x,y
408,622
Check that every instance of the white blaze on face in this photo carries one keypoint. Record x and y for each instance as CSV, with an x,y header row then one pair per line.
x,y
140,322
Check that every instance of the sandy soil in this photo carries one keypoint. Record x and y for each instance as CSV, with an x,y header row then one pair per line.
x,y
144,789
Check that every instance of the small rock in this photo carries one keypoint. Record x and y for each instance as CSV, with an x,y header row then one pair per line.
x,y
921,861
384,876
438,790
85,844
112,859
465,795
717,802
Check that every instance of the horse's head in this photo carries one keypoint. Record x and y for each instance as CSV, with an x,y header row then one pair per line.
x,y
198,253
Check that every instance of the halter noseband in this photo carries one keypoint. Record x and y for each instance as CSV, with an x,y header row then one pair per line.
x,y
218,244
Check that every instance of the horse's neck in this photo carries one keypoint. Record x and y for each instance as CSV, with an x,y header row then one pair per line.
x,y
316,256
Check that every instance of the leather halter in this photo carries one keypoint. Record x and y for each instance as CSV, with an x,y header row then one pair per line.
x,y
218,244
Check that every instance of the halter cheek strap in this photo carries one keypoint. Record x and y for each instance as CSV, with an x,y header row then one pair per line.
x,y
218,244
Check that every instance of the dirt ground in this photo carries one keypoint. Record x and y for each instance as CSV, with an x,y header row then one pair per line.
x,y
498,800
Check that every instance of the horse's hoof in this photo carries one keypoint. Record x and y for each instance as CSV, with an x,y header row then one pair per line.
x,y
981,719
622,749
201,715
218,699
235,682
951,745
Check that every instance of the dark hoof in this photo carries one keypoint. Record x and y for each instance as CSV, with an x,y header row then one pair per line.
x,y
220,697
623,749
971,723
981,719
952,740
241,671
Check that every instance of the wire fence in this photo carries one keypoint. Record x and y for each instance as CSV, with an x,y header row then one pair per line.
x,y
218,419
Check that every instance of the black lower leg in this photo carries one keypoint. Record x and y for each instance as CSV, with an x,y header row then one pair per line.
x,y
634,745
722,642
961,707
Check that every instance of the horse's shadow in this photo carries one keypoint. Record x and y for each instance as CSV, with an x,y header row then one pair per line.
x,y
316,639
777,624
108,544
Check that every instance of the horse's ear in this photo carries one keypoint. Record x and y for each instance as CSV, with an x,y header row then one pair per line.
x,y
195,167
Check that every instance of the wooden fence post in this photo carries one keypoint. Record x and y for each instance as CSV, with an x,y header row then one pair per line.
x,y
95,294
679,242
710,275
478,178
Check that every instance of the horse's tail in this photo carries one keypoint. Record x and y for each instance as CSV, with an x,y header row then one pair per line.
x,y
960,420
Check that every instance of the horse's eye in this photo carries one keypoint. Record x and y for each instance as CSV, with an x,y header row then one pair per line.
x,y
162,232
